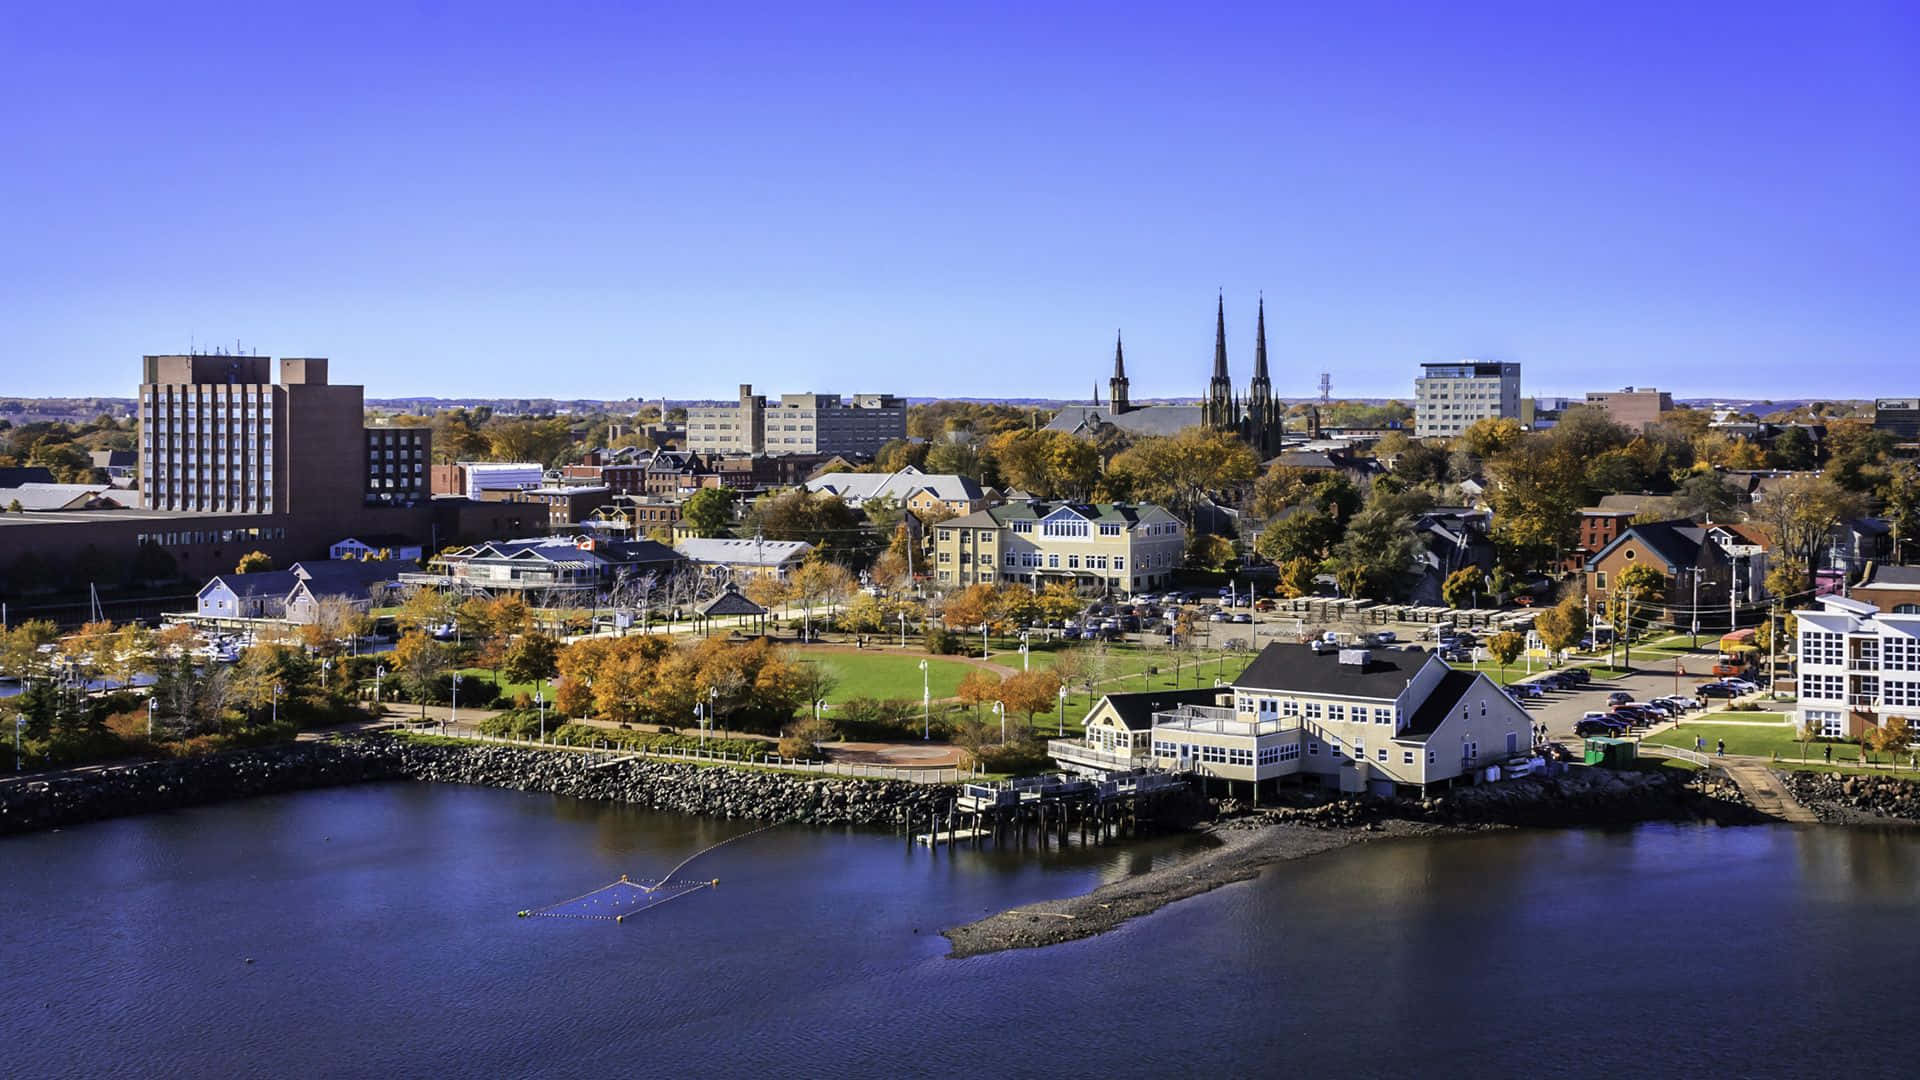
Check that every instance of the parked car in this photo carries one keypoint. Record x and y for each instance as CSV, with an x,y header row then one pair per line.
x,y
1216,616
1263,605
1242,617
1742,685
1386,637
1526,690
1579,675
1638,715
1455,656
1599,725
1619,697
1716,690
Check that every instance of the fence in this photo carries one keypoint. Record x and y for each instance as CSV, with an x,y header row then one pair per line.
x,y
850,769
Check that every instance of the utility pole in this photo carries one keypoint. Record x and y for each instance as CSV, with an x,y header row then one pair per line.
x,y
1696,609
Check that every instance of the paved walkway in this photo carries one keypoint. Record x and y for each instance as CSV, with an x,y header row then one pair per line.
x,y
1765,791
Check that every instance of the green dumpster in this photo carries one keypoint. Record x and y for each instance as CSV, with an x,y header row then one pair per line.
x,y
1613,753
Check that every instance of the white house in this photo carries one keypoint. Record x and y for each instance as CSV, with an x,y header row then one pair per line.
x,y
259,595
1379,721
396,546
1858,667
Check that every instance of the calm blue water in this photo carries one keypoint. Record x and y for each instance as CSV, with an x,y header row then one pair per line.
x,y
381,924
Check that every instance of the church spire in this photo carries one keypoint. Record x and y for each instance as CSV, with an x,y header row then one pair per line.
x,y
1260,347
1221,412
1117,386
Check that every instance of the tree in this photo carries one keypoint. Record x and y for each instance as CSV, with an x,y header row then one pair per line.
x,y
1561,626
1891,737
820,519
130,651
1463,587
1705,496
1209,551
1801,510
1029,692
803,737
1376,557
1787,581
1536,491
419,662
863,614
1490,437
1506,646
426,609
978,687
1792,449
1058,601
533,657
253,562
1297,578
1900,498
542,441
1633,587
709,511
1308,533
1178,471
820,582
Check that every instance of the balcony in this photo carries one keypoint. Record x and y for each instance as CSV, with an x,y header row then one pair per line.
x,y
1211,720
1073,753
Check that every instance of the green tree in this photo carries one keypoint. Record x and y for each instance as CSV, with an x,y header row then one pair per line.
x,y
709,511
1561,626
419,662
1506,647
1297,577
1177,472
1208,551
1634,589
533,657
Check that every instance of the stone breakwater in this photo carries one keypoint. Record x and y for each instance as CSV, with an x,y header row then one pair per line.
x,y
94,795
1848,800
1577,797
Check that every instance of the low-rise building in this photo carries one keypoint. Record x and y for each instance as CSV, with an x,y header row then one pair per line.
x,y
360,585
1858,667
1356,720
259,595
1114,547
555,563
745,558
1631,408
378,546
909,488
797,424
1711,576
475,478
1893,589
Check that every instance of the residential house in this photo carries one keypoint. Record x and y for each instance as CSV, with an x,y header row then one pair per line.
x,y
1599,526
1355,720
1451,539
1853,544
1858,667
1699,576
1117,547
259,595
362,585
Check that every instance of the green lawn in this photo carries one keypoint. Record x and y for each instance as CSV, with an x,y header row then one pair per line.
x,y
889,675
1747,739
507,689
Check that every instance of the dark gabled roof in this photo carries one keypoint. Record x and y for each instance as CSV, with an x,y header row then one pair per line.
x,y
1124,514
346,577
1298,669
731,602
1136,709
276,583
1879,574
1677,543
1140,419
1439,705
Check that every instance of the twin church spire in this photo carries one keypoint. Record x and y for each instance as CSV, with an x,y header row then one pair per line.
x,y
1257,418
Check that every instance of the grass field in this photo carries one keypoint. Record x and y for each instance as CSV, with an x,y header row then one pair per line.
x,y
1753,740
888,675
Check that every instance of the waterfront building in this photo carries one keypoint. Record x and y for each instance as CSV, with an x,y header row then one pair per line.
x,y
1112,547
1380,721
797,424
555,563
1450,397
745,558
1858,667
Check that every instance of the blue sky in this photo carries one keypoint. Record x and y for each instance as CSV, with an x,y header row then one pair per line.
x,y
615,199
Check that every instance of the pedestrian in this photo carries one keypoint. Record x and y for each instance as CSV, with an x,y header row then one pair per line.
x,y
1699,744
1829,753
1720,747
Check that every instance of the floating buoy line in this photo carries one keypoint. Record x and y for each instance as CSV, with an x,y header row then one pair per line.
x,y
616,901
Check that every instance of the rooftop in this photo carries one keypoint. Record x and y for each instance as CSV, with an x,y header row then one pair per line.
x,y
1298,669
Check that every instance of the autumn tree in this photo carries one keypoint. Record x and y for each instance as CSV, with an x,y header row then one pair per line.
x,y
419,662
1029,692
978,687
1506,646
1463,587
1561,626
1178,471
1209,551
1891,737
533,657
1801,510
1297,577
1634,588
253,562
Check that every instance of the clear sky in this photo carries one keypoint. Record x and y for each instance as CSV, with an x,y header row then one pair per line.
x,y
535,199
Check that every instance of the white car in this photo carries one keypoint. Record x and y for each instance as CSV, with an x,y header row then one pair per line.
x,y
1386,637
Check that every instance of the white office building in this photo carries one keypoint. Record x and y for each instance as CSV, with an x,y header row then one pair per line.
x,y
1448,398
1858,667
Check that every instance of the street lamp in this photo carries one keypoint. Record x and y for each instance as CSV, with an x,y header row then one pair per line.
x,y
713,703
326,668
903,629
453,715
1061,727
540,703
150,704
19,725
983,641
379,671
1001,708
926,703
276,704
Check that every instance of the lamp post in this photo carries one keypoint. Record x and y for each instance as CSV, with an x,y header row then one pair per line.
x,y
379,672
926,703
983,641
1061,727
1001,708
276,704
150,704
453,713
326,669
713,703
19,725
903,629
540,704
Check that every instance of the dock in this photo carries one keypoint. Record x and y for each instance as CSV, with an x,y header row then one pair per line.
x,y
1045,810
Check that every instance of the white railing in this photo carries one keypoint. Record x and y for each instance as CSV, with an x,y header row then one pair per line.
x,y
1072,750
1216,721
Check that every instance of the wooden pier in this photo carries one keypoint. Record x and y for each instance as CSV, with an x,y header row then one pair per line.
x,y
1043,810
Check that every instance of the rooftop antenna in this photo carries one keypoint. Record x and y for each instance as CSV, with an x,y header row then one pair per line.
x,y
1326,387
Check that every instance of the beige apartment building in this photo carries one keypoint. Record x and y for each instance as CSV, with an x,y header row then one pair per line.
x,y
1113,547
797,424
1633,409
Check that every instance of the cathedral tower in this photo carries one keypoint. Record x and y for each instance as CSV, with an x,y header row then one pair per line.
x,y
1221,413
1117,386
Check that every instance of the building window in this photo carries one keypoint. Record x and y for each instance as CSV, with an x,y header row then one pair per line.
x,y
1382,752
1821,647
1406,757
1337,714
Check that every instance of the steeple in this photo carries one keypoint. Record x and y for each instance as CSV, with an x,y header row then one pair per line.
x,y
1220,411
1260,349
1117,386
1264,420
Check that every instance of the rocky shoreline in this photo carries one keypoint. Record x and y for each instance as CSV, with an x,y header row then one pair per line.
x,y
1855,800
1250,839
147,787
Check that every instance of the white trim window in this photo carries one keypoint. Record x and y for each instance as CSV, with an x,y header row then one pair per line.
x,y
1899,694
1821,647
1898,653
1815,687
1826,723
